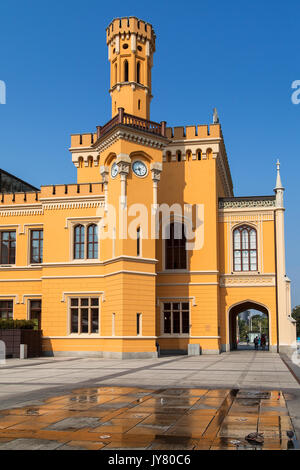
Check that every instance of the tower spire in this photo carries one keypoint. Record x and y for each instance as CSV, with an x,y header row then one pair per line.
x,y
279,189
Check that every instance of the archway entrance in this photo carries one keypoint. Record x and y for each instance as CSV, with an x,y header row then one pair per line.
x,y
248,327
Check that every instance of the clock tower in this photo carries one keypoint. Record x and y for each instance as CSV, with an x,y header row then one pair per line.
x,y
131,44
130,148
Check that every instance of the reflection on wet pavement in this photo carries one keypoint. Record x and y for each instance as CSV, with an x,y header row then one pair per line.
x,y
136,418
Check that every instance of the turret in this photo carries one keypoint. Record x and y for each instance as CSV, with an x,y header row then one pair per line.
x,y
131,44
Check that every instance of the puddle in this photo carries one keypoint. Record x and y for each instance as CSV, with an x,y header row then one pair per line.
x,y
167,419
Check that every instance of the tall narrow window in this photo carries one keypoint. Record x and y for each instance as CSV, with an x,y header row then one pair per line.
x,y
92,241
8,247
138,324
179,156
199,154
175,249
113,326
139,104
244,249
35,309
79,242
36,246
126,71
138,241
138,72
6,309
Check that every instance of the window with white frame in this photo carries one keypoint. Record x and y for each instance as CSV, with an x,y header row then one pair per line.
x,y
85,241
244,249
176,318
84,315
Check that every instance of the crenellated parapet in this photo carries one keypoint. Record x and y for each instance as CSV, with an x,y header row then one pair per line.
x,y
125,27
50,192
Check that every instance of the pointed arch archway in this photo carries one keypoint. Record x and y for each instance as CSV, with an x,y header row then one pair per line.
x,y
232,324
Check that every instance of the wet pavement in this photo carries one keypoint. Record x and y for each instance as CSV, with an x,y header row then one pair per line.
x,y
113,417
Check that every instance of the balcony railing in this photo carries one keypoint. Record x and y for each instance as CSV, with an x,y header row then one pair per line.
x,y
134,122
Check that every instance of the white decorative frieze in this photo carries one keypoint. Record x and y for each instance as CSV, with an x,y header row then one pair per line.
x,y
247,280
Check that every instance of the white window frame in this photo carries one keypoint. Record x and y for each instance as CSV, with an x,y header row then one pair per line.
x,y
162,325
89,307
85,223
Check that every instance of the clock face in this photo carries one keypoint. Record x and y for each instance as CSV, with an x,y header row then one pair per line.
x,y
114,170
139,168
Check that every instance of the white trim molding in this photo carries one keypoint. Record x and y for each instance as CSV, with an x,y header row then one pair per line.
x,y
79,293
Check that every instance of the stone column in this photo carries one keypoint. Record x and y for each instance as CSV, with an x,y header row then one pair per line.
x,y
104,173
156,169
123,161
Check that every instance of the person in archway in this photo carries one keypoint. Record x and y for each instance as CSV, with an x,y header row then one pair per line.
x,y
263,341
256,342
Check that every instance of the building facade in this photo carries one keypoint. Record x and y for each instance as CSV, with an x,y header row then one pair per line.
x,y
149,247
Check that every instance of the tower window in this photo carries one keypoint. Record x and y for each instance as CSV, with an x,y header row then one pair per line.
x,y
126,71
125,46
199,155
175,249
138,241
140,48
179,156
138,72
139,104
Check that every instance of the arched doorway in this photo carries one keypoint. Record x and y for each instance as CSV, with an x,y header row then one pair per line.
x,y
247,321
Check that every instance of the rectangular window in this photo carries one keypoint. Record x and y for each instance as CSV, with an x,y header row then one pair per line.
x,y
176,318
138,324
8,247
84,315
6,309
36,246
35,310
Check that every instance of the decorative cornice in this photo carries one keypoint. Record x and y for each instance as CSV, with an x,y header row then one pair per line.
x,y
247,280
13,210
131,135
247,202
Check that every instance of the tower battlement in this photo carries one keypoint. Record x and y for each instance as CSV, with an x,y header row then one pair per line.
x,y
130,25
194,132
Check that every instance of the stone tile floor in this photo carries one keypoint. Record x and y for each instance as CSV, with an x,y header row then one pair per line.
x,y
113,417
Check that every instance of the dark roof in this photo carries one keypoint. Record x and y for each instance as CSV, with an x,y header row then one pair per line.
x,y
12,184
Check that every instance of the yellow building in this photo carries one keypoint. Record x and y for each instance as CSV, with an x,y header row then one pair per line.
x,y
150,247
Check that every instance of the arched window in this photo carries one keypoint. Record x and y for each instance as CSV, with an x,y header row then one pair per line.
x,y
126,71
79,242
90,161
138,72
80,162
92,241
175,247
179,156
199,154
244,249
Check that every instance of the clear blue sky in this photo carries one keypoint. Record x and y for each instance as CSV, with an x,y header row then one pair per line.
x,y
239,56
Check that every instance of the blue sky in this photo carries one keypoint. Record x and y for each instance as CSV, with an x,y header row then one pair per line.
x,y
238,56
